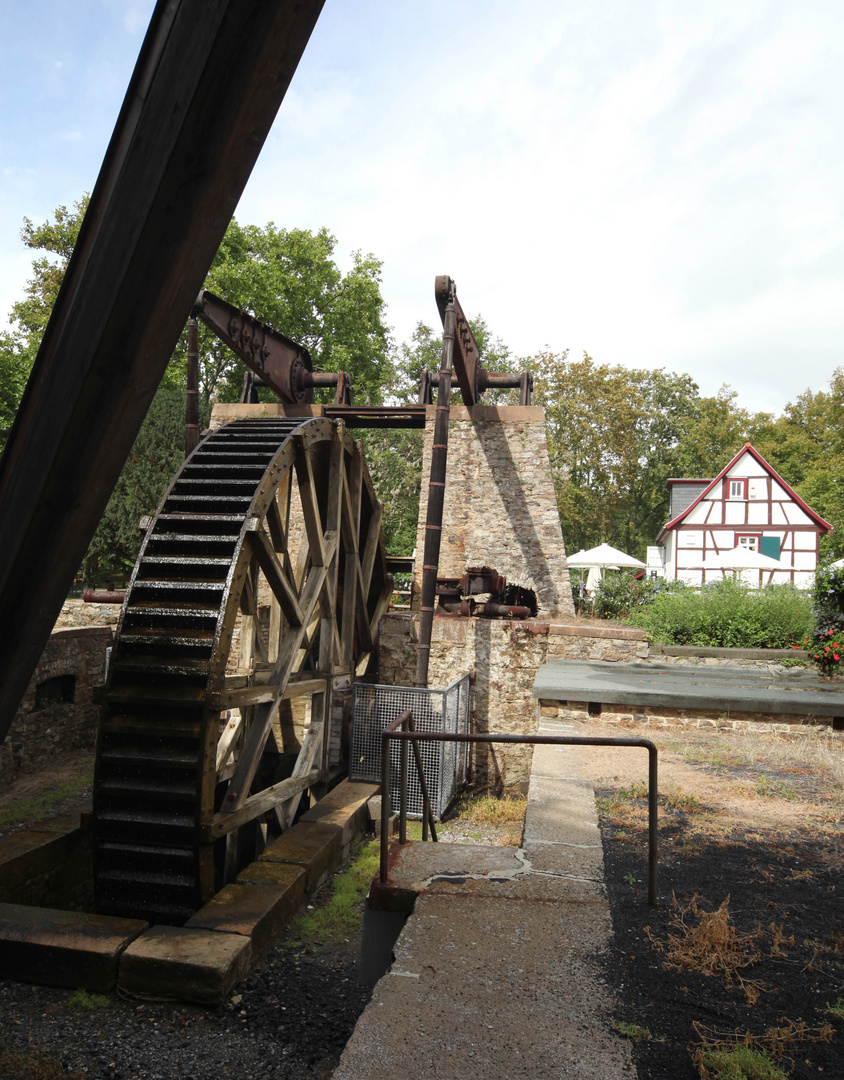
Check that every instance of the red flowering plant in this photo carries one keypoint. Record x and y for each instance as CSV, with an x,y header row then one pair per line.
x,y
826,646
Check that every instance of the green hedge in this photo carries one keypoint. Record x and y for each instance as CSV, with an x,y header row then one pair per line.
x,y
728,614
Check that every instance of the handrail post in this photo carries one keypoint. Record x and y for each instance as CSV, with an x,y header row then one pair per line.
x,y
403,791
653,796
385,804
410,735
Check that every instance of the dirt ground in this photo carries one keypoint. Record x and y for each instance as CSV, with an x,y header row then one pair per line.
x,y
747,940
754,821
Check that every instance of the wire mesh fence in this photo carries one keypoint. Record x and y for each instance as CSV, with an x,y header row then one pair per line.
x,y
375,707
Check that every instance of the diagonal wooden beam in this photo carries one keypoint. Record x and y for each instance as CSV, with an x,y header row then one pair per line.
x,y
310,505
204,93
283,591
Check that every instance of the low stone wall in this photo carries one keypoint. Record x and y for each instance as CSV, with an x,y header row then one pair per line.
x,y
50,864
503,657
57,712
652,717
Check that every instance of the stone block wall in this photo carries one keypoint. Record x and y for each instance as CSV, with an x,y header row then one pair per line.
x,y
500,506
58,712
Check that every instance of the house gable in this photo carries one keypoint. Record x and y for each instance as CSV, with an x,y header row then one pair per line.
x,y
748,504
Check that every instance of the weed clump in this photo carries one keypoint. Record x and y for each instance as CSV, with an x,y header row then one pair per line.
x,y
332,922
736,1063
491,810
736,1055
30,1065
710,945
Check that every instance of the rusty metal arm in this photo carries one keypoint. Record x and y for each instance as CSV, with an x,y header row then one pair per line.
x,y
205,91
279,362
472,377
467,357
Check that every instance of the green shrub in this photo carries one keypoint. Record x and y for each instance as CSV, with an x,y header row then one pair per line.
x,y
618,594
729,614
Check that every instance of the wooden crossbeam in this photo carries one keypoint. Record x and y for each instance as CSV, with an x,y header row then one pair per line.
x,y
223,823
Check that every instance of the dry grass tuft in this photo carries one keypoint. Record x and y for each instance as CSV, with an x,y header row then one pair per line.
x,y
710,945
491,810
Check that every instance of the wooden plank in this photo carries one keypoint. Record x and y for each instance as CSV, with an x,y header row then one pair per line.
x,y
370,549
223,823
228,736
355,488
278,529
311,747
352,599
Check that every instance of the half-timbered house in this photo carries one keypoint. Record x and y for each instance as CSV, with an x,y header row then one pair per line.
x,y
747,505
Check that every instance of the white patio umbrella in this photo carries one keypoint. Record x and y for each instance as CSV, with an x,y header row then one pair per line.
x,y
604,556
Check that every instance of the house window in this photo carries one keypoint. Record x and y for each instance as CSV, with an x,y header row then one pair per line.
x,y
737,489
748,540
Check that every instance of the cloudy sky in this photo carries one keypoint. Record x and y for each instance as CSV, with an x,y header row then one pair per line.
x,y
658,183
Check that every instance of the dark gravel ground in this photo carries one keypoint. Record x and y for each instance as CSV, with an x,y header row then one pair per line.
x,y
291,1018
773,880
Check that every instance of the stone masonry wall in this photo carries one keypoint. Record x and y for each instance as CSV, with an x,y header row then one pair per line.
x,y
50,726
500,507
653,717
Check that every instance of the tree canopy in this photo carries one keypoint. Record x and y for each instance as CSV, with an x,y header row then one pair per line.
x,y
615,434
288,278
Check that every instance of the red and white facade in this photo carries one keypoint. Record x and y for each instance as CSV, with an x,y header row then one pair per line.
x,y
747,505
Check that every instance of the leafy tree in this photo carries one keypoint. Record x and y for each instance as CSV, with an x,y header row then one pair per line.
x,y
613,438
29,315
288,278
807,446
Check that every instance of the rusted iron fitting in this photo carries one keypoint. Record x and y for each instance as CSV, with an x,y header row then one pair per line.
x,y
104,596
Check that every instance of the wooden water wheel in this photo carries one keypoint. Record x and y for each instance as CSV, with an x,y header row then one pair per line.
x,y
261,580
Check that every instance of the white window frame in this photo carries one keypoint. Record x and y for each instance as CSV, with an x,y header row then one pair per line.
x,y
740,492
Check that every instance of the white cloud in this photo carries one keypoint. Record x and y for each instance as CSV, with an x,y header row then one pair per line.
x,y
658,183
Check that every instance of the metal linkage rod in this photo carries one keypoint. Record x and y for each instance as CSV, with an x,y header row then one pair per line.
x,y
436,499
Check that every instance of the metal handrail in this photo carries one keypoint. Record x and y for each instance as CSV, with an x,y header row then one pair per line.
x,y
409,735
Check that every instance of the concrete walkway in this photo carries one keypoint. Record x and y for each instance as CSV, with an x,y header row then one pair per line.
x,y
496,972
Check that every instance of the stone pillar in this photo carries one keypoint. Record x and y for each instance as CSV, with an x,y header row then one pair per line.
x,y
500,505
